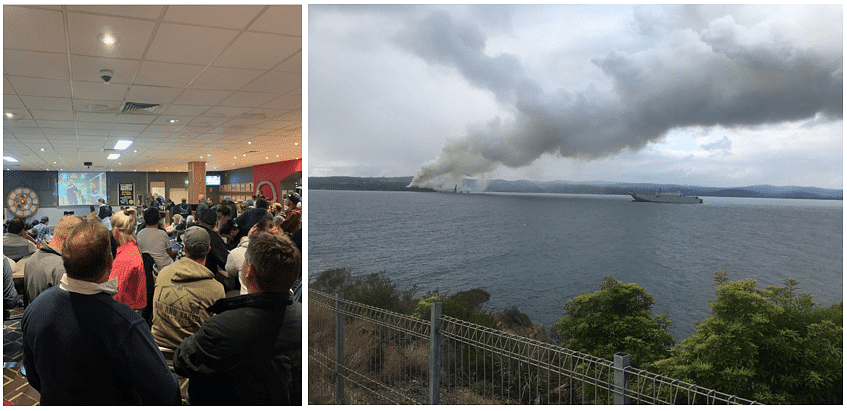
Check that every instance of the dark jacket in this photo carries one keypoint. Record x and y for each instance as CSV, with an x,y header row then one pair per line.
x,y
249,218
248,353
217,256
92,350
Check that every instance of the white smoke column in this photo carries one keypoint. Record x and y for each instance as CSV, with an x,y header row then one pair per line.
x,y
727,74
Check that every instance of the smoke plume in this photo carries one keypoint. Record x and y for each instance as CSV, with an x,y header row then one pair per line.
x,y
726,74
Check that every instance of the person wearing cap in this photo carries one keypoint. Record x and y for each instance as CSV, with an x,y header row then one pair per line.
x,y
184,290
250,351
216,260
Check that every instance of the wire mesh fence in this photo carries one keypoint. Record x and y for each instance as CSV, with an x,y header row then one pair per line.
x,y
364,355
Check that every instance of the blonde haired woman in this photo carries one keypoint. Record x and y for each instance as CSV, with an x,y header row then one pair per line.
x,y
128,267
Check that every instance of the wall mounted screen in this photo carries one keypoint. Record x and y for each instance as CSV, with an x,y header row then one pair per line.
x,y
213,180
78,188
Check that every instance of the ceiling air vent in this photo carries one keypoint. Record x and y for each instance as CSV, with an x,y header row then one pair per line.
x,y
138,108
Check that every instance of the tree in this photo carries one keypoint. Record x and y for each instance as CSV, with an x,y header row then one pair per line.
x,y
773,346
374,289
613,319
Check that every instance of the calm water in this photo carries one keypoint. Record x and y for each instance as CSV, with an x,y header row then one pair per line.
x,y
537,251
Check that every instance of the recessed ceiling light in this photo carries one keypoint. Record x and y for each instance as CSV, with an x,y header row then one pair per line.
x,y
10,159
277,155
10,114
42,149
119,163
54,162
173,120
296,144
134,151
249,142
113,156
108,39
122,144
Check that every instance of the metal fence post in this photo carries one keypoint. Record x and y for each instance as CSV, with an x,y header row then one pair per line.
x,y
435,354
621,388
339,351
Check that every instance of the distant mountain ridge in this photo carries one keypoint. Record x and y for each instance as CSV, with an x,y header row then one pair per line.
x,y
569,187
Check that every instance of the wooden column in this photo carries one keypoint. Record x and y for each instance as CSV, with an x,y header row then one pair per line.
x,y
196,180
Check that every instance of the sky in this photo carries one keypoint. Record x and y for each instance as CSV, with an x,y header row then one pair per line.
x,y
707,95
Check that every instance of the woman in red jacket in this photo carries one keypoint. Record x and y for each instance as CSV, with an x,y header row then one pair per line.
x,y
128,266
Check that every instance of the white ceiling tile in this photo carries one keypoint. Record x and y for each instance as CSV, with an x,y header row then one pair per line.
x,y
31,86
100,92
287,102
275,81
259,51
182,110
19,125
88,68
201,97
33,29
219,78
248,99
36,64
167,74
280,19
50,125
11,101
47,103
188,44
232,17
136,11
294,64
135,119
152,94
52,115
96,117
85,31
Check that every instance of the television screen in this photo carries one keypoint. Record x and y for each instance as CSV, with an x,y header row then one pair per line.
x,y
213,180
78,188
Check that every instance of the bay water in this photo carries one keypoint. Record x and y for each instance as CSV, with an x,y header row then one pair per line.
x,y
537,251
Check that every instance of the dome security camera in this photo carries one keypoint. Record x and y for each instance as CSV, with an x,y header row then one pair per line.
x,y
106,75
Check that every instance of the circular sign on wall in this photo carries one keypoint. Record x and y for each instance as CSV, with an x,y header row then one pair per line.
x,y
23,202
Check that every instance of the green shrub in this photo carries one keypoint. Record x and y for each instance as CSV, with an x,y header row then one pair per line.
x,y
773,346
374,289
613,319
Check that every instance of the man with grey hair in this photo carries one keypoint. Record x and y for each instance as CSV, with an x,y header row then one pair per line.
x,y
45,268
81,346
184,290
249,352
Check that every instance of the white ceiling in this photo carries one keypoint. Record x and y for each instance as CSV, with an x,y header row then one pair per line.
x,y
231,76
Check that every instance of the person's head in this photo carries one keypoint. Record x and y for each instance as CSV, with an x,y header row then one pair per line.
x,y
271,263
87,252
293,200
151,216
278,220
177,218
201,198
262,203
197,243
45,220
63,228
277,208
189,220
207,217
123,226
17,225
228,230
183,201
265,224
102,201
91,208
223,212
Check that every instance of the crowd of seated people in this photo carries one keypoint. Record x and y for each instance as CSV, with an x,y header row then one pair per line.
x,y
234,332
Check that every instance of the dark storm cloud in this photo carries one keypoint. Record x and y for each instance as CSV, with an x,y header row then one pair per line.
x,y
724,75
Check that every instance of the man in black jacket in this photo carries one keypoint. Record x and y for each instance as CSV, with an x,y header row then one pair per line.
x,y
249,352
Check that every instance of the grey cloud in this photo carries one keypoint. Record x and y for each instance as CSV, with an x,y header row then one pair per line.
x,y
723,145
726,74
